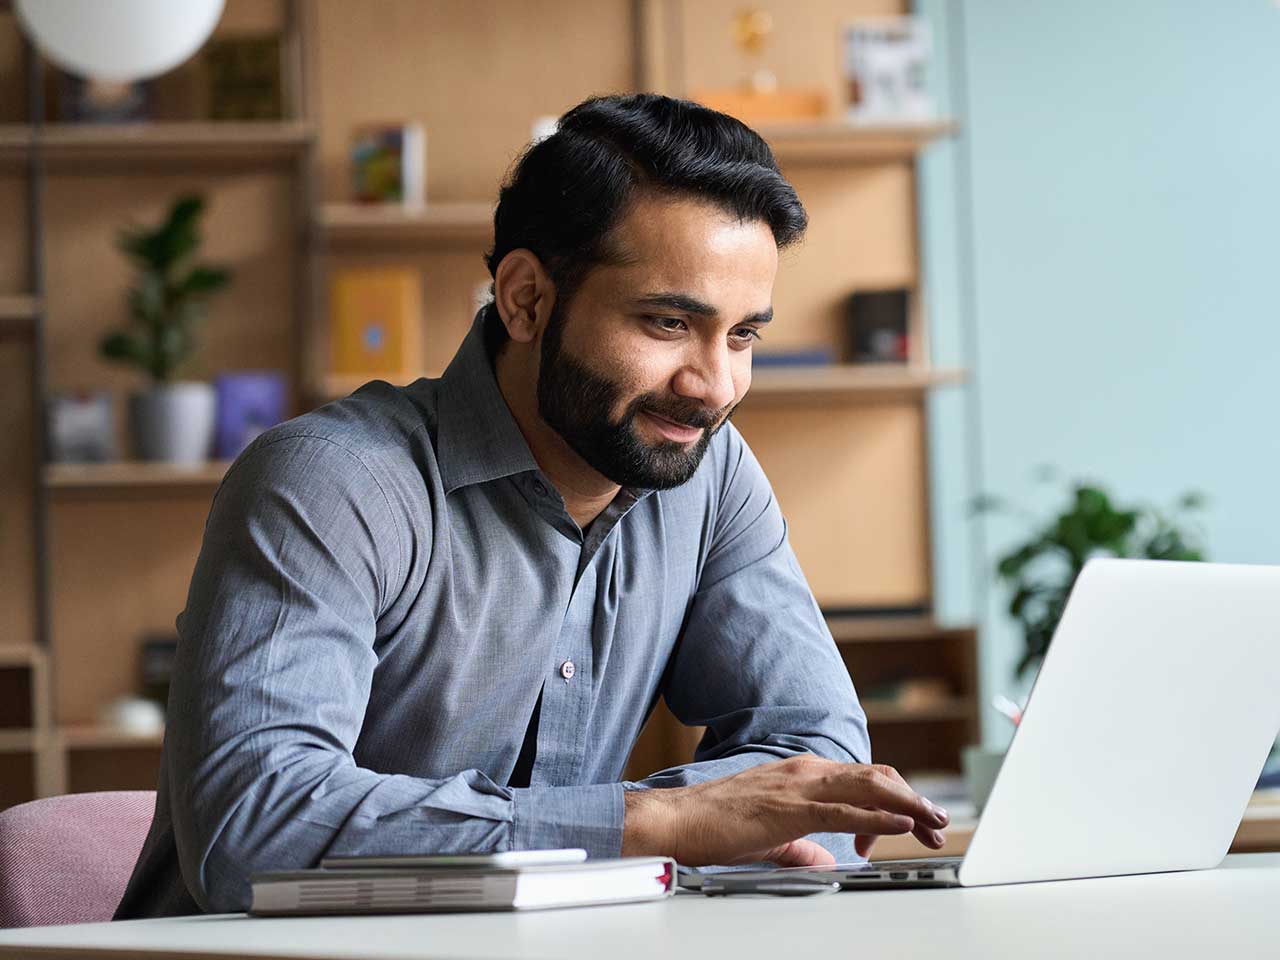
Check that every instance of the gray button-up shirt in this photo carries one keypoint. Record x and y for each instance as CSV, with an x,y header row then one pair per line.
x,y
386,587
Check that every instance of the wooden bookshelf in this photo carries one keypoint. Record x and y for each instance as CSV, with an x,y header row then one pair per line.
x,y
839,142
91,476
957,708
149,144
850,381
20,655
98,737
430,225
859,630
18,740
838,381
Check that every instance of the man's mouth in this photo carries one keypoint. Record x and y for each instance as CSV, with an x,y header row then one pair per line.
x,y
680,432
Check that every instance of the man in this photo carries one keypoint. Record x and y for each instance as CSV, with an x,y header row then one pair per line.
x,y
435,618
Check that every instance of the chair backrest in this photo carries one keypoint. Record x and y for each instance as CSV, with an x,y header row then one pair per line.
x,y
67,859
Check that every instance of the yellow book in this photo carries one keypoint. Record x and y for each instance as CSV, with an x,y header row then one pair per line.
x,y
375,316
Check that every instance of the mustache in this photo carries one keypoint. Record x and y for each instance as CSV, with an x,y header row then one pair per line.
x,y
685,412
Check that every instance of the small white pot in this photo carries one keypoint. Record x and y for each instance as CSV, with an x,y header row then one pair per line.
x,y
173,422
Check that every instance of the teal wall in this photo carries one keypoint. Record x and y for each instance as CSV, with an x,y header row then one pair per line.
x,y
1100,250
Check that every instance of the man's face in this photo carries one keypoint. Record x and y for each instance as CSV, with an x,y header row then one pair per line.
x,y
649,359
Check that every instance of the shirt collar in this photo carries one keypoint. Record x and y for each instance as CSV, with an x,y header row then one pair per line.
x,y
477,439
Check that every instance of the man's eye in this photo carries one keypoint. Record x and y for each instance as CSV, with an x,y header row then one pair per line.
x,y
747,334
668,324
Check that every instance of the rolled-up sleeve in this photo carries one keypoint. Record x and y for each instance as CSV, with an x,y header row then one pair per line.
x,y
302,554
756,664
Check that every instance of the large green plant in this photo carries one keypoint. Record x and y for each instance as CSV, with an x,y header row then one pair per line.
x,y
1041,570
167,302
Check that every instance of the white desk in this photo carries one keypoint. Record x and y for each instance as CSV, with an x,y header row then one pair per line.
x,y
1226,913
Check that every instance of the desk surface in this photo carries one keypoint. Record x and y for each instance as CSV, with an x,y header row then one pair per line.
x,y
1228,912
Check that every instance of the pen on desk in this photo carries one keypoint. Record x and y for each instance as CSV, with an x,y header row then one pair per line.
x,y
778,887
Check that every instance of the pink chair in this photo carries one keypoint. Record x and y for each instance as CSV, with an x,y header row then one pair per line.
x,y
67,859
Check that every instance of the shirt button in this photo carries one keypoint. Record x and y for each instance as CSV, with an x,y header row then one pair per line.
x,y
539,488
567,670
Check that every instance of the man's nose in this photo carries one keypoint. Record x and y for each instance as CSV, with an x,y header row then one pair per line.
x,y
707,377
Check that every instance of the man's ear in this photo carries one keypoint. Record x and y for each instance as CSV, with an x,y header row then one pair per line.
x,y
524,295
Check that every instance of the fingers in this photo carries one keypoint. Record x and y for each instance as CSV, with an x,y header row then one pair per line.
x,y
862,845
800,853
884,788
842,818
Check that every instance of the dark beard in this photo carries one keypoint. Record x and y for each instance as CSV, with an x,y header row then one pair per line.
x,y
576,401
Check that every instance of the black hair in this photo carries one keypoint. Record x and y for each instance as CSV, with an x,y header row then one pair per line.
x,y
567,192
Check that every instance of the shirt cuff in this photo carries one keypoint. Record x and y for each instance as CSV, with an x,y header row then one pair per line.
x,y
550,818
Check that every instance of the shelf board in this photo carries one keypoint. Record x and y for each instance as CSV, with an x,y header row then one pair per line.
x,y
838,141
858,630
849,381
201,143
17,740
335,386
90,736
955,708
19,307
126,473
837,381
18,315
20,655
435,223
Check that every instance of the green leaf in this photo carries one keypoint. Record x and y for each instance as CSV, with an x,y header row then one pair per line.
x,y
203,280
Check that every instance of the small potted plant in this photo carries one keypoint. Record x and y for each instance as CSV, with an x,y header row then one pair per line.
x,y
172,420
1041,570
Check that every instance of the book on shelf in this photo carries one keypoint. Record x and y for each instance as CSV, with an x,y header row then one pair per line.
x,y
389,163
324,890
798,357
375,321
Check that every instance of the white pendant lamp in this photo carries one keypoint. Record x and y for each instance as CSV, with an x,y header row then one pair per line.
x,y
118,40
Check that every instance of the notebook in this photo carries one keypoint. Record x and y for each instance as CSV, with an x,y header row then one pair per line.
x,y
326,890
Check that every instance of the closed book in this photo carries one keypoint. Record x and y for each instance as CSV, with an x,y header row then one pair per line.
x,y
376,321
400,890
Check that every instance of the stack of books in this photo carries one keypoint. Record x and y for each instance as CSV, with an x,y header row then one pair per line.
x,y
523,880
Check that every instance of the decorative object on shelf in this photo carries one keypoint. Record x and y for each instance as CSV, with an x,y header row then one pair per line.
x,y
389,163
135,716
84,100
243,76
879,329
886,61
758,99
82,427
249,402
376,321
171,421
816,356
121,40
1041,570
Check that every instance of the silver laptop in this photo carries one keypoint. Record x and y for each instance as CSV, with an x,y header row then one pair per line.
x,y
1146,730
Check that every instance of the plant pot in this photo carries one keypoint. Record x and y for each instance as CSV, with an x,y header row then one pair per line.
x,y
173,422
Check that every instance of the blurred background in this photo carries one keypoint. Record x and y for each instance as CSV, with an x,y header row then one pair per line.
x,y
1033,320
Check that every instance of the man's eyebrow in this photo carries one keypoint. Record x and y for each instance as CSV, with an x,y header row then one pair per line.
x,y
687,304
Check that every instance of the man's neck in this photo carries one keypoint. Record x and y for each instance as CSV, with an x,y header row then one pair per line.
x,y
585,491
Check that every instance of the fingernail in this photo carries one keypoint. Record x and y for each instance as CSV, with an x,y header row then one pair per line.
x,y
942,814
939,837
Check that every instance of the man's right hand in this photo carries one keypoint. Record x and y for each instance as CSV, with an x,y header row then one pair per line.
x,y
764,812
